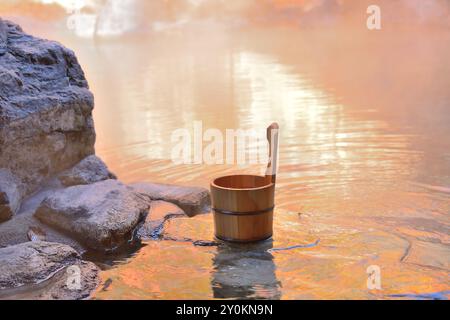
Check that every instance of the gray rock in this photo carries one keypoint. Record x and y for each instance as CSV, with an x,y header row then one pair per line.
x,y
46,107
192,200
15,230
9,195
159,212
102,215
89,170
25,266
43,260
36,234
3,38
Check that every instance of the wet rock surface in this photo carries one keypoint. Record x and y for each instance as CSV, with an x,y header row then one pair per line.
x,y
89,170
3,38
29,264
43,260
36,234
192,200
434,255
46,123
9,195
16,230
160,212
102,215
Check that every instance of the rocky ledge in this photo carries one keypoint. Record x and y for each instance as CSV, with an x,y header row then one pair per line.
x,y
57,199
46,107
102,215
34,263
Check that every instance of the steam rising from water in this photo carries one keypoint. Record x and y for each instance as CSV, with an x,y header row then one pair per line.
x,y
89,18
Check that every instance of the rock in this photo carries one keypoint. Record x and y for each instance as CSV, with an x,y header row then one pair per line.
x,y
89,170
16,230
58,289
206,243
192,200
9,195
24,265
36,234
102,215
46,107
198,231
159,212
434,255
3,38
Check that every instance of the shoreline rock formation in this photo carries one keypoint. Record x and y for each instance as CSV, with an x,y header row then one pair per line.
x,y
89,170
192,200
43,261
51,180
9,195
102,215
46,107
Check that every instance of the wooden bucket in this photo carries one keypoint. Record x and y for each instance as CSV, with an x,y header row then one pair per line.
x,y
243,208
243,204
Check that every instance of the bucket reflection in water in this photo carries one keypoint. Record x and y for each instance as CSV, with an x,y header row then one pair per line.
x,y
245,271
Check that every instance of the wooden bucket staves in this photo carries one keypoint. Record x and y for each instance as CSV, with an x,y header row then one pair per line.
x,y
243,204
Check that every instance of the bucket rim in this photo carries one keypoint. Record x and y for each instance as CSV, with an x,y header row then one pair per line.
x,y
266,186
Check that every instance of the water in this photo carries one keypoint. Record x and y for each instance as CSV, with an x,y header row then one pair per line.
x,y
364,175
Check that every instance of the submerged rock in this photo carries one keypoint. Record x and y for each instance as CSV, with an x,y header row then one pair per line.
x,y
159,212
192,200
46,107
44,261
9,195
89,170
102,215
434,255
16,230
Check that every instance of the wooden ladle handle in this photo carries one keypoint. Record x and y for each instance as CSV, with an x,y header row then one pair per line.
x,y
272,137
